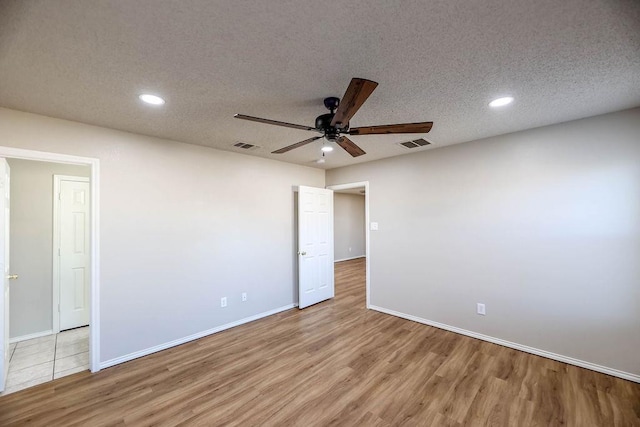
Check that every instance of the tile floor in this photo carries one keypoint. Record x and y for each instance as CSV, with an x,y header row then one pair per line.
x,y
43,359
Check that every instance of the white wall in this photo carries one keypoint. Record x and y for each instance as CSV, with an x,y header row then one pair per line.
x,y
542,226
181,226
348,226
32,243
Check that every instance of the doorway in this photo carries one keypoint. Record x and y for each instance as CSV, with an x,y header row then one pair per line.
x,y
79,340
352,243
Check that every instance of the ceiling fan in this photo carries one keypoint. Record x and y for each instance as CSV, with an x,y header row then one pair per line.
x,y
333,125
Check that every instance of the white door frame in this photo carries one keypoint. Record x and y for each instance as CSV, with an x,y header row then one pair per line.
x,y
57,179
367,254
42,156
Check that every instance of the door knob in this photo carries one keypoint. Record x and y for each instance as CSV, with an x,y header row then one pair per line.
x,y
303,253
12,276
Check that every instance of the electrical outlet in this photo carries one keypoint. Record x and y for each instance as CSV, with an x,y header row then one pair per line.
x,y
349,249
374,226
223,302
244,296
481,309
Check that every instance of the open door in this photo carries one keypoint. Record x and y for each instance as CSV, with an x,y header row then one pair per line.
x,y
4,268
315,245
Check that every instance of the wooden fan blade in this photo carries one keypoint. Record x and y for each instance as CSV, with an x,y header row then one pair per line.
x,y
296,145
423,127
356,94
349,146
273,122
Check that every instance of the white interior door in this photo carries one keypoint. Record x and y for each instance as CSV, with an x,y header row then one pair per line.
x,y
74,254
315,245
4,268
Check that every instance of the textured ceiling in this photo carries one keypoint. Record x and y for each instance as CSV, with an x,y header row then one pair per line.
x,y
87,60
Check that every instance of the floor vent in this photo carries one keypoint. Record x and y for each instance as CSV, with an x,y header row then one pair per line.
x,y
245,146
415,143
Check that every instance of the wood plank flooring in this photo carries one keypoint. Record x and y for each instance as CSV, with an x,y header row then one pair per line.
x,y
335,363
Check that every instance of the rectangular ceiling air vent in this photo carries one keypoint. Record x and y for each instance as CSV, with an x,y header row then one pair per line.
x,y
245,146
415,143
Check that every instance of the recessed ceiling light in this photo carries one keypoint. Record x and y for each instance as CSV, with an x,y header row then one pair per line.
x,y
327,148
151,99
501,102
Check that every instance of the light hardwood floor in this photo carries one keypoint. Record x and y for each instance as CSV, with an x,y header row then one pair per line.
x,y
335,363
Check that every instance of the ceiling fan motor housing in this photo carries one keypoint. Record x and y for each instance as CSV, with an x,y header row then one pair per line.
x,y
323,122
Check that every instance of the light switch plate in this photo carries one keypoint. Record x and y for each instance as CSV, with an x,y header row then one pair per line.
x,y
374,225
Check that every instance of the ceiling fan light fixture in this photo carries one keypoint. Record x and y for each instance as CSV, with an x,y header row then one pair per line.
x,y
151,99
501,102
327,148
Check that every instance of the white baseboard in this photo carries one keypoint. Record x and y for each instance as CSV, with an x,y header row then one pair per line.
x,y
349,259
30,336
154,349
560,358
